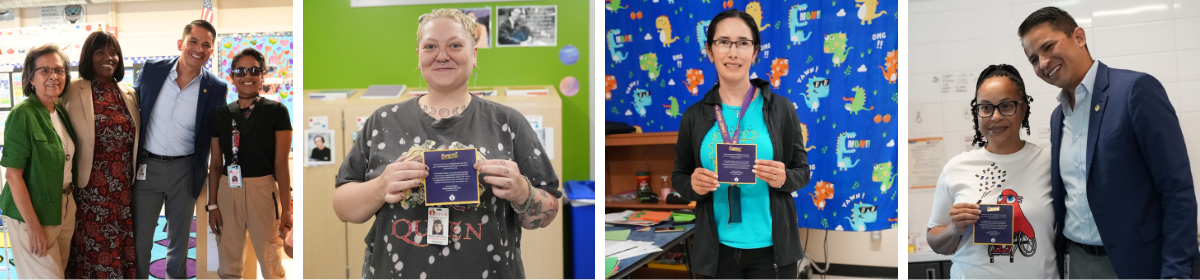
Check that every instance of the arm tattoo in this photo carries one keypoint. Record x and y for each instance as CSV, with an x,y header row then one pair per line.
x,y
538,216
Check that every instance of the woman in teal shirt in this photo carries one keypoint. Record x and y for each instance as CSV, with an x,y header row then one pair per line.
x,y
39,144
747,231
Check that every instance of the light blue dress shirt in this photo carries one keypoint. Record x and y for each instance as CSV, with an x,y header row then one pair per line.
x,y
172,128
1080,225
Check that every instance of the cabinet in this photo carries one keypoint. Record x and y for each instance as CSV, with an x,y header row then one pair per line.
x,y
929,270
627,154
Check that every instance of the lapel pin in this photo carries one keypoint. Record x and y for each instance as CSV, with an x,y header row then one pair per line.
x,y
1097,108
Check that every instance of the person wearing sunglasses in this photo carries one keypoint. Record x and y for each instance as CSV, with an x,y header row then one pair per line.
x,y
177,98
251,137
742,230
38,156
104,113
382,176
1003,170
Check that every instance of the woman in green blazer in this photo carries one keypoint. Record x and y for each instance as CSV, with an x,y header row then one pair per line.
x,y
38,151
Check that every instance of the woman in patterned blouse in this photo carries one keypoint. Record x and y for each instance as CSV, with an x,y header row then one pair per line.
x,y
104,113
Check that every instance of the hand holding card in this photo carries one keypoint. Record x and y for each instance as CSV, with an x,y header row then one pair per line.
x,y
963,215
398,177
506,179
704,181
773,172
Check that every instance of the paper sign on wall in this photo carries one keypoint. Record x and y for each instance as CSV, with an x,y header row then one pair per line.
x,y
318,122
69,14
358,126
925,162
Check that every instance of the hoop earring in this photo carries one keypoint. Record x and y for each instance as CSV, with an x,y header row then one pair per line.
x,y
475,80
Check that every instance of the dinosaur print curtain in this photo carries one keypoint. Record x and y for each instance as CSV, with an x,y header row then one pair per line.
x,y
835,60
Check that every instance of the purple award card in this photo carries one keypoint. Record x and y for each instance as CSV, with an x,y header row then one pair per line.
x,y
995,225
452,177
735,162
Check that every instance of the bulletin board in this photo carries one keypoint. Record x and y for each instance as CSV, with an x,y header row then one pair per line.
x,y
14,42
835,60
276,47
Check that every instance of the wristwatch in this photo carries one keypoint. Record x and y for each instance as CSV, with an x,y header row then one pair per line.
x,y
211,207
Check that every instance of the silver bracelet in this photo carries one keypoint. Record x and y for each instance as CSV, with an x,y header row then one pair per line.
x,y
527,200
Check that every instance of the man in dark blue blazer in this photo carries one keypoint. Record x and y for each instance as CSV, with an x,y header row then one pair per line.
x,y
1124,203
178,98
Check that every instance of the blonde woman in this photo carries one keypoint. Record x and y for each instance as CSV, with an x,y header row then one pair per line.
x,y
381,175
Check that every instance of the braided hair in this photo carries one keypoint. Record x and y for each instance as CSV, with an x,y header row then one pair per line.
x,y
1000,70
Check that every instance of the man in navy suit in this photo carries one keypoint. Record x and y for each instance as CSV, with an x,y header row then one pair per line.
x,y
1124,203
178,98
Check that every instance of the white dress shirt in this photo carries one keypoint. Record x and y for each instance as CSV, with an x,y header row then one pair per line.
x,y
1080,225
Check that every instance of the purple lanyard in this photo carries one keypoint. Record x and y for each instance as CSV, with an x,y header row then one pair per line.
x,y
721,118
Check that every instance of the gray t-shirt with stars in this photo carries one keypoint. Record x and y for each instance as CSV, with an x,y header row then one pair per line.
x,y
485,238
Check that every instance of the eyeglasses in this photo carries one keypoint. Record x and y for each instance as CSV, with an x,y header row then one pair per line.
x,y
744,46
1007,108
47,71
242,71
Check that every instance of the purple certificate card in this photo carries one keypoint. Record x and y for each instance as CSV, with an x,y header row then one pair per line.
x,y
735,162
452,177
995,224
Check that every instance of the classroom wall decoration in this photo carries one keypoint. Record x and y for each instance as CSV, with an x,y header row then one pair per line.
x,y
835,60
14,42
276,47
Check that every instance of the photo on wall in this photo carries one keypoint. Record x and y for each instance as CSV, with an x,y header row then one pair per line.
x,y
483,25
527,26
319,147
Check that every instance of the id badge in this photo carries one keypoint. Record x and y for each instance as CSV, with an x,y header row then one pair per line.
x,y
439,225
235,176
141,172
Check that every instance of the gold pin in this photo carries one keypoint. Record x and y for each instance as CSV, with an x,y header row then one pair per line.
x,y
206,91
1097,108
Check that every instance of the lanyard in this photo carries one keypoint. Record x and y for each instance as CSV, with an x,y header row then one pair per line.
x,y
721,119
237,135
735,192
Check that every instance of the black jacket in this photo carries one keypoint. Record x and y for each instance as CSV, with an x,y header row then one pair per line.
x,y
784,127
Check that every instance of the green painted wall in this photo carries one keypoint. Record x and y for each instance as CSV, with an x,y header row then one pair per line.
x,y
356,47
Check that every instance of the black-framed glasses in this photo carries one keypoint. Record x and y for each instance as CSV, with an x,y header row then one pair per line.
x,y
743,46
46,71
242,71
1007,108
